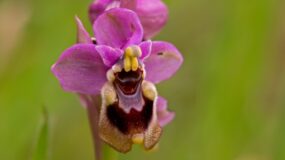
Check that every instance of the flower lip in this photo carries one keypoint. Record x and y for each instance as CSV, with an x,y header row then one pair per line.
x,y
133,122
128,82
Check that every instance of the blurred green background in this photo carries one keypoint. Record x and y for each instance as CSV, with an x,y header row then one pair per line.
x,y
229,96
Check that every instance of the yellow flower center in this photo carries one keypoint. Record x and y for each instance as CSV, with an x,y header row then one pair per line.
x,y
131,58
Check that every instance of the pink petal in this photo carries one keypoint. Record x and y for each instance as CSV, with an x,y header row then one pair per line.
x,y
109,55
130,4
145,48
118,28
82,34
164,116
98,7
153,15
163,61
80,69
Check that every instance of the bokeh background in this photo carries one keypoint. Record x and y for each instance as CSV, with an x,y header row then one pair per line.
x,y
229,96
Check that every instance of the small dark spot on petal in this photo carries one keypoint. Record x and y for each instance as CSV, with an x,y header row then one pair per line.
x,y
160,53
94,40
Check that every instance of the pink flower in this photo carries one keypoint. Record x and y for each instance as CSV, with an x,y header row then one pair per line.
x,y
124,69
153,14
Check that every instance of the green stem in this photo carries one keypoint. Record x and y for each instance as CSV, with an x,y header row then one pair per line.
x,y
93,116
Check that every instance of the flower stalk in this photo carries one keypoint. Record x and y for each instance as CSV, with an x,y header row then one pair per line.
x,y
93,105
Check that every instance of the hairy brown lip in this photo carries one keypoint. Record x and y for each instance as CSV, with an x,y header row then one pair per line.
x,y
133,122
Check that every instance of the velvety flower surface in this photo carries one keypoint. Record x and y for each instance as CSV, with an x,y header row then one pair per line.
x,y
153,14
124,70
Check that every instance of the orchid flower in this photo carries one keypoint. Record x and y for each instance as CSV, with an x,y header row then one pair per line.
x,y
153,14
123,69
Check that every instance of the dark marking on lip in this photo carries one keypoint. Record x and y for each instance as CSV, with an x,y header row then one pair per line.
x,y
128,82
133,122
